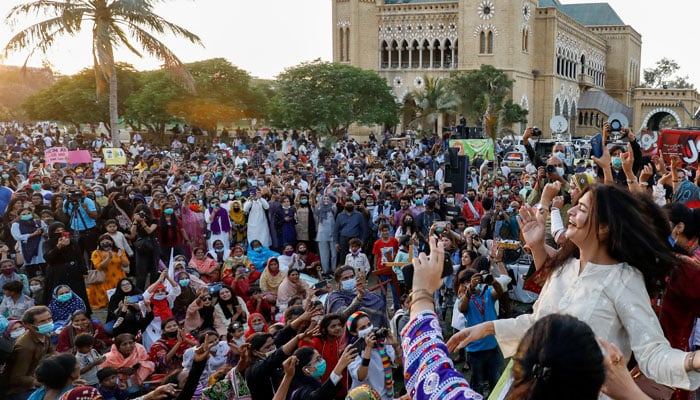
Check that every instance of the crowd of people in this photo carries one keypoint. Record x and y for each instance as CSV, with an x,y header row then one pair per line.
x,y
281,267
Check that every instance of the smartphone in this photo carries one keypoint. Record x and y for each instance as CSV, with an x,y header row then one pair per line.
x,y
597,145
66,235
253,192
440,224
321,285
134,299
359,345
340,180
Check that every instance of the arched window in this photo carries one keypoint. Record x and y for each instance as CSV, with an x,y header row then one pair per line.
x,y
404,55
425,55
524,40
583,63
342,45
557,107
347,44
455,51
585,119
565,109
489,42
394,55
437,54
415,55
447,59
580,118
482,42
385,54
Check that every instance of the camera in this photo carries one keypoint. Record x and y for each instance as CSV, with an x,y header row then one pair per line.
x,y
550,169
142,214
536,131
75,196
486,278
380,333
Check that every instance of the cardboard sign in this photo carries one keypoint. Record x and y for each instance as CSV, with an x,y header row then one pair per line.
x,y
114,156
473,147
79,157
54,155
682,143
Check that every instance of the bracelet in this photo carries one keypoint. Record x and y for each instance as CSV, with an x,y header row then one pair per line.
x,y
365,362
629,181
643,183
691,366
421,294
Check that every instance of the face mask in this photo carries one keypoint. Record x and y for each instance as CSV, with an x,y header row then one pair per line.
x,y
419,202
168,211
616,162
45,329
258,249
365,331
5,176
258,327
349,208
219,250
193,179
69,181
506,187
320,369
184,282
35,288
349,285
214,205
159,297
132,196
36,186
237,194
27,217
17,333
474,174
355,252
560,155
98,194
387,203
224,197
288,252
450,200
409,182
219,174
509,210
351,178
64,297
404,206
304,201
170,335
560,171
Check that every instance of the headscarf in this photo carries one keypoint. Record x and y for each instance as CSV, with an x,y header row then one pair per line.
x,y
53,238
324,210
61,312
139,355
81,393
8,329
119,295
260,259
252,331
272,281
30,248
363,392
161,308
238,217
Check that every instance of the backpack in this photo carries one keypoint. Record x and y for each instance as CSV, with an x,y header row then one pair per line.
x,y
6,347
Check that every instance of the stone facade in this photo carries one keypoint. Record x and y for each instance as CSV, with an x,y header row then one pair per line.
x,y
544,47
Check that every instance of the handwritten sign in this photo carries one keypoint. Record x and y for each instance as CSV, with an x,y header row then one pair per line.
x,y
114,156
54,155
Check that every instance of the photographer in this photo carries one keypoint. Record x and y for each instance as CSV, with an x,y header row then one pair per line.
x,y
554,171
377,351
145,246
479,305
83,220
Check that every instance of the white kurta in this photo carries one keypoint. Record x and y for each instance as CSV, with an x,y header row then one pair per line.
x,y
257,222
613,301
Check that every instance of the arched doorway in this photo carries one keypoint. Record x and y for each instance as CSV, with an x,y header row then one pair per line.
x,y
661,118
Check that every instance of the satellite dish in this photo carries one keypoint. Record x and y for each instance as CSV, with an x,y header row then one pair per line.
x,y
558,124
617,122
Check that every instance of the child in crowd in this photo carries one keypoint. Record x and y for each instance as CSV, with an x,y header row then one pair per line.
x,y
36,286
109,387
88,358
119,238
357,259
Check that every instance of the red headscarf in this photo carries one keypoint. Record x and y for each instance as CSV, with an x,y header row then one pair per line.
x,y
161,308
252,331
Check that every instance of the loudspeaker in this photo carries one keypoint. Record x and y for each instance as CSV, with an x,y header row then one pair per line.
x,y
457,175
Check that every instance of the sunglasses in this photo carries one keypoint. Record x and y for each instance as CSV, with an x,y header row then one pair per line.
x,y
206,298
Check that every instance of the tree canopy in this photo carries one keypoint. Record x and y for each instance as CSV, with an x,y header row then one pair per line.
x,y
331,97
663,76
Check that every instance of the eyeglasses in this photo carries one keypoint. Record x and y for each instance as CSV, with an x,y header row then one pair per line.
x,y
206,298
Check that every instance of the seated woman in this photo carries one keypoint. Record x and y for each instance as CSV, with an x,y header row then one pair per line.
x,y
188,293
57,374
352,296
230,307
131,361
111,260
310,259
308,382
218,252
290,260
259,255
161,294
201,316
124,289
291,286
272,277
256,323
132,317
64,304
15,303
206,266
236,259
167,352
218,355
81,323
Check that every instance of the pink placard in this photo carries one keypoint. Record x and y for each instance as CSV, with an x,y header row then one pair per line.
x,y
79,157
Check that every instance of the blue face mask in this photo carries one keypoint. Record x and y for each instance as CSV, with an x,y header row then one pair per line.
x,y
36,186
419,202
5,176
320,369
184,282
304,201
509,210
219,174
45,329
224,197
159,297
64,297
27,217
98,194
349,285
219,250
258,249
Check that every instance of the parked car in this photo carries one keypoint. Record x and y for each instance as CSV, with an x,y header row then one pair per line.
x,y
516,160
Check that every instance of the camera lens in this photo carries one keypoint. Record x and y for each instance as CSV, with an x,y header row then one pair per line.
x,y
550,169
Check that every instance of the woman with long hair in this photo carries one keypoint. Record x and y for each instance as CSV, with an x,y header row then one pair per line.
x,y
64,264
616,255
330,344
143,229
130,359
230,308
407,226
171,235
29,232
193,222
80,323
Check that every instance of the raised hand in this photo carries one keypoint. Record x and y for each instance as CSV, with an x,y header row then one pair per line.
x,y
532,224
349,354
469,335
427,272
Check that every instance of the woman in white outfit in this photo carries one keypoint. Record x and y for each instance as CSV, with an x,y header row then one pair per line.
x,y
258,229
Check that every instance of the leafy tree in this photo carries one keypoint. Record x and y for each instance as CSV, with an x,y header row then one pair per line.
x,y
73,99
113,23
16,85
482,94
331,97
149,104
663,76
431,101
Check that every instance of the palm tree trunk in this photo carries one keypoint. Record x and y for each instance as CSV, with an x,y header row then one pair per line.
x,y
113,109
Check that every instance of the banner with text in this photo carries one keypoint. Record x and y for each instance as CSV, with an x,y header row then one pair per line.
x,y
685,144
114,156
54,155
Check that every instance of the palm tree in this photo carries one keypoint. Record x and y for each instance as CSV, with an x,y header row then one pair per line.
x,y
431,101
114,23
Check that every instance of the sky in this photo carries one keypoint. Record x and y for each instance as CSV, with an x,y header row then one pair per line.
x,y
264,37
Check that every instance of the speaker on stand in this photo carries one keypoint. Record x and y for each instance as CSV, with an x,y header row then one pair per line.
x,y
456,168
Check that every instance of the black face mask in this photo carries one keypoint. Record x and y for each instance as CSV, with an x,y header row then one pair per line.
x,y
169,335
471,198
349,208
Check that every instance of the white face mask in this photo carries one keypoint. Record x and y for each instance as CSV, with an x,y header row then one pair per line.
x,y
17,333
364,332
